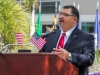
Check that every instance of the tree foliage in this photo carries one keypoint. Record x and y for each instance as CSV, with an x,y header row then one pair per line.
x,y
13,18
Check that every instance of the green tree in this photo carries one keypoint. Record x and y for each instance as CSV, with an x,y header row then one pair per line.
x,y
13,18
29,4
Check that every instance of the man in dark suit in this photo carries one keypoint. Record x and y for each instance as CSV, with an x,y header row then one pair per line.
x,y
77,46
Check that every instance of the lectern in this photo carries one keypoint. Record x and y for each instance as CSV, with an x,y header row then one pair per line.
x,y
35,64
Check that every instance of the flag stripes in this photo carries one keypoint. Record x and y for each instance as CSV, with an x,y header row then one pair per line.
x,y
37,41
19,38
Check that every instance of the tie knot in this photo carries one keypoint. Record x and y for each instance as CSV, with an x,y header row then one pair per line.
x,y
63,34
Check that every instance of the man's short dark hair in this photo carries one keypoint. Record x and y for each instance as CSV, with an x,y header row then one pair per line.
x,y
74,10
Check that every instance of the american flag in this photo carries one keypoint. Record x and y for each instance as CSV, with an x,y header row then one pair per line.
x,y
97,31
37,41
19,38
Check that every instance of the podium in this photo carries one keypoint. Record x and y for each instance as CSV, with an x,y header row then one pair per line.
x,y
35,64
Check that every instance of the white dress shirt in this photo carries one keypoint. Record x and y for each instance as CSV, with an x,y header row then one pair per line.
x,y
68,33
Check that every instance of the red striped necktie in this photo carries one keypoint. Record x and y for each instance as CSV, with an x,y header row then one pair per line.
x,y
61,41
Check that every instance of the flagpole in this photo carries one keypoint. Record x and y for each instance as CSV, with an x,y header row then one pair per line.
x,y
74,3
79,23
97,29
78,7
40,7
38,24
59,7
40,18
97,4
55,15
33,23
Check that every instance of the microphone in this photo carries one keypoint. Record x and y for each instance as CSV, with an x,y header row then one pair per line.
x,y
46,34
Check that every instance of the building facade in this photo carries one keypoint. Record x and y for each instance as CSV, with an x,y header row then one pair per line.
x,y
87,10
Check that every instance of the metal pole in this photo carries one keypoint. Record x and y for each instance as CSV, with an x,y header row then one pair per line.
x,y
40,6
33,22
55,15
74,3
97,4
13,45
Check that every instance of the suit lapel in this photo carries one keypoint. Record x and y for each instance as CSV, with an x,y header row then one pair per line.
x,y
72,37
54,41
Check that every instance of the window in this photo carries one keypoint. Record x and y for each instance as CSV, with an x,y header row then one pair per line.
x,y
48,7
88,26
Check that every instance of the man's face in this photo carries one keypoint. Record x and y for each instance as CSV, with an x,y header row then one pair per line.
x,y
66,19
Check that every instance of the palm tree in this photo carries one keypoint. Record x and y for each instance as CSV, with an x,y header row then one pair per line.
x,y
29,4
13,18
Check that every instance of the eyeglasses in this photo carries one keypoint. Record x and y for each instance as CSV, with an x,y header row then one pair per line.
x,y
65,14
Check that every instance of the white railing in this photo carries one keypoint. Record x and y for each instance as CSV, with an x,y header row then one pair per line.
x,y
6,46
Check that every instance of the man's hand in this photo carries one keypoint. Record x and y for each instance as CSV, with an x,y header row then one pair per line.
x,y
61,52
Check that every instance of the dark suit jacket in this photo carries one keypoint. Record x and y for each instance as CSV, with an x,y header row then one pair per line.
x,y
80,44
